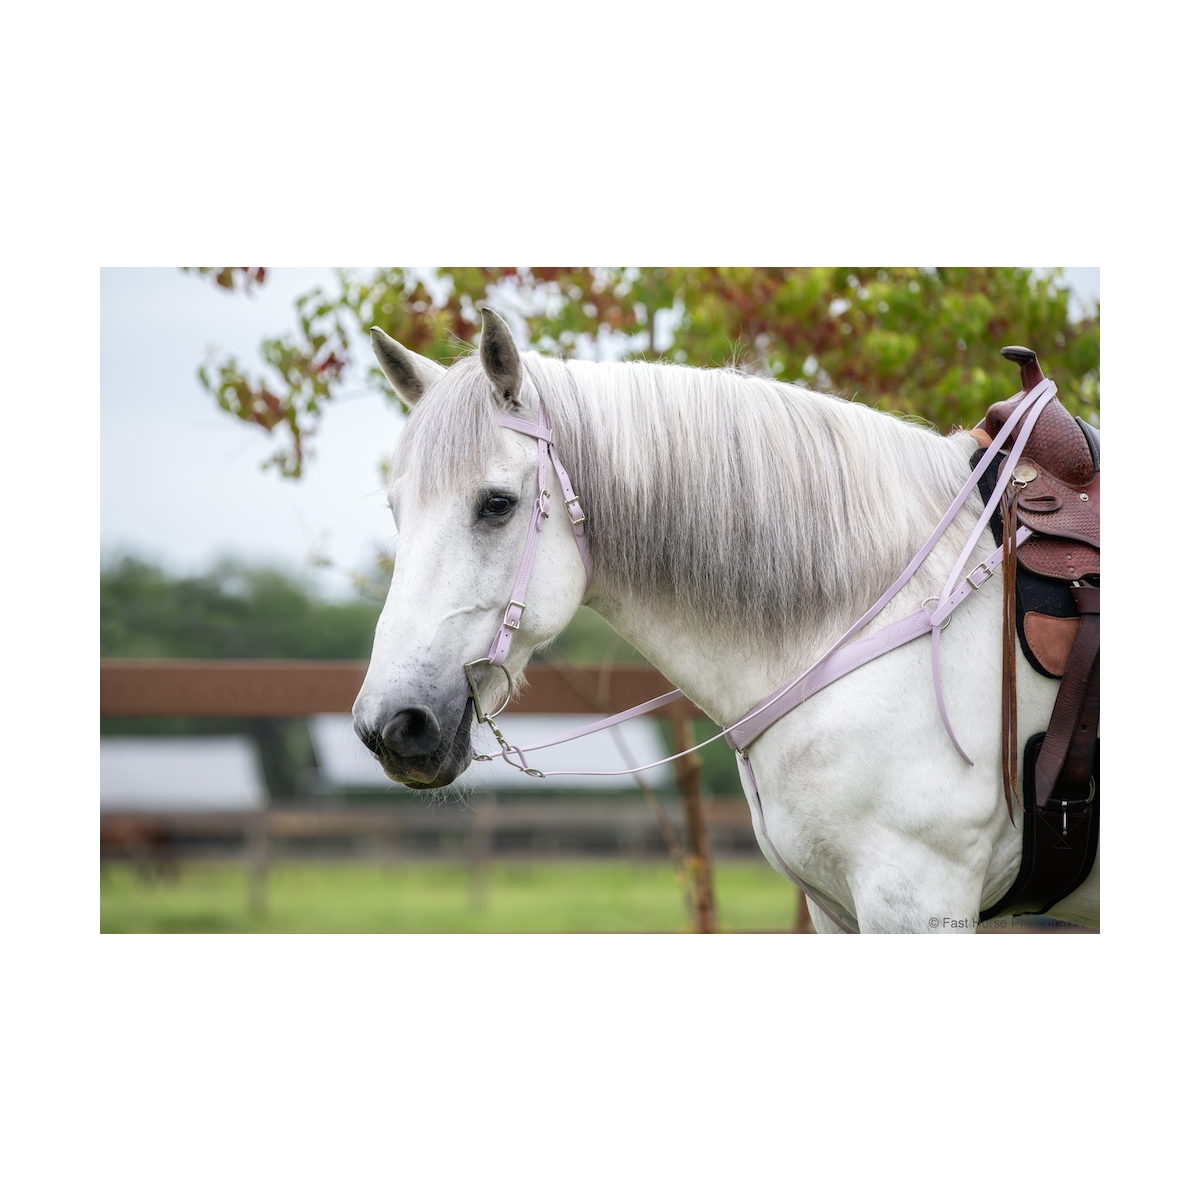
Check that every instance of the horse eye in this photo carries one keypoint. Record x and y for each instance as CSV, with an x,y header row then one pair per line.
x,y
495,506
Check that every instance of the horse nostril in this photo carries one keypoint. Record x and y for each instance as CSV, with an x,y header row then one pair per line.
x,y
413,732
368,737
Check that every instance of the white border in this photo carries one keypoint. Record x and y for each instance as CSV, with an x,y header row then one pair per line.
x,y
588,1066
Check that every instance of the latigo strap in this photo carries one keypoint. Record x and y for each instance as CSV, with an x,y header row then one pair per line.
x,y
1067,752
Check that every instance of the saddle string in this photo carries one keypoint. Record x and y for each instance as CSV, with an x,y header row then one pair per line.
x,y
1008,652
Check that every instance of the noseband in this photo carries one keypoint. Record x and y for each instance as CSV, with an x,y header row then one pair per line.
x,y
515,608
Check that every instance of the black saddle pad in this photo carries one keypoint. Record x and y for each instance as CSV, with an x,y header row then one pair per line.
x,y
1051,597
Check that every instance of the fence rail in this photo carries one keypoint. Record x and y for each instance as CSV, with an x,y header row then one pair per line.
x,y
513,829
275,688
281,688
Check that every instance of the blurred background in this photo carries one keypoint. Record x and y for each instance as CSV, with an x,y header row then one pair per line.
x,y
244,429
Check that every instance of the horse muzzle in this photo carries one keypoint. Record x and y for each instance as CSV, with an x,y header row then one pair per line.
x,y
416,747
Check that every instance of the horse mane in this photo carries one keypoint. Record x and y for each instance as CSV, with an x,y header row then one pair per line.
x,y
750,501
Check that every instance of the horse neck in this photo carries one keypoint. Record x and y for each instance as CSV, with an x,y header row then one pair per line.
x,y
728,659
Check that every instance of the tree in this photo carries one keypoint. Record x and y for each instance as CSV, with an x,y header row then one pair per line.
x,y
915,340
231,611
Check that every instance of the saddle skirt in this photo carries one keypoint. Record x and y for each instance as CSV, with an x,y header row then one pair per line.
x,y
1066,519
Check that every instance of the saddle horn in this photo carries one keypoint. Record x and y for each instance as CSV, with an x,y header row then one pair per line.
x,y
1031,371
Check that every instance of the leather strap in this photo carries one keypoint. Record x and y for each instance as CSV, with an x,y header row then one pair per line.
x,y
513,611
1008,659
1077,776
574,511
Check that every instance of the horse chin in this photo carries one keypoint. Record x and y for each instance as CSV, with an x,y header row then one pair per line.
x,y
438,769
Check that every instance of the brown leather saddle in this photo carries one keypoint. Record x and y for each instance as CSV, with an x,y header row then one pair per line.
x,y
1056,495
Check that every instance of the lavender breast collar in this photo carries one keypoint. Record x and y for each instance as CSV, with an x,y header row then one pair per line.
x,y
844,656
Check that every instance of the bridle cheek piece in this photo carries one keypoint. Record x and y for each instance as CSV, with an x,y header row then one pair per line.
x,y
514,610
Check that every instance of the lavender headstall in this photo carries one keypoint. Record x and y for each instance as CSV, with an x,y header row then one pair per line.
x,y
515,608
840,659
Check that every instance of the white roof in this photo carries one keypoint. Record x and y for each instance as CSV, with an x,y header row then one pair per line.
x,y
180,773
345,762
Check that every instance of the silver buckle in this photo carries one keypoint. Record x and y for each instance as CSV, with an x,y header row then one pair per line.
x,y
507,623
980,566
582,515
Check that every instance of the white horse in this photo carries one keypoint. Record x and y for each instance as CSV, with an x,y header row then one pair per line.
x,y
737,526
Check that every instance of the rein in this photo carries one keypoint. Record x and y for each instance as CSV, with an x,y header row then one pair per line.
x,y
840,659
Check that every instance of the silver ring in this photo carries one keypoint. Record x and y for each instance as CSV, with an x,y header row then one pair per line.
x,y
480,715
946,624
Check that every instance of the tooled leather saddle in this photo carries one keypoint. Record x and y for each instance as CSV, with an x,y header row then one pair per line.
x,y
1055,607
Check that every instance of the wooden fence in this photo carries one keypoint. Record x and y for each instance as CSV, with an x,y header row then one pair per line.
x,y
175,687
277,688
281,688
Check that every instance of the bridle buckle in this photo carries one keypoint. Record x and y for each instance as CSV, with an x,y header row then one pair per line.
x,y
989,572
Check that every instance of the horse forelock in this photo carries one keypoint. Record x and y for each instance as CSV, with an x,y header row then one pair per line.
x,y
747,500
451,435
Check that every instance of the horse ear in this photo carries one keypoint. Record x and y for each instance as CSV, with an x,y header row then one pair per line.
x,y
410,374
501,361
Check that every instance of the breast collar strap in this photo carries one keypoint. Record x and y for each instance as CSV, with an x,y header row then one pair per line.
x,y
844,656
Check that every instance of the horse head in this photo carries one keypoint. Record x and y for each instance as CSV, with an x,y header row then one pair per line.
x,y
462,493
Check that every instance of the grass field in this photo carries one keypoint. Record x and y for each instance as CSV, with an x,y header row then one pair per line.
x,y
559,897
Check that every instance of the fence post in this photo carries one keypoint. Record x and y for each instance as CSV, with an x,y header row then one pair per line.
x,y
258,854
687,779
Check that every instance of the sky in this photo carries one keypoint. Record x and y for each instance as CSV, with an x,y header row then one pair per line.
x,y
179,479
